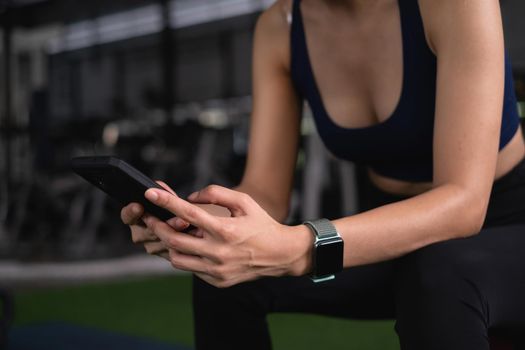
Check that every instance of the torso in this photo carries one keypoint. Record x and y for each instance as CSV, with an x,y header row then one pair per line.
x,y
508,158
361,87
376,69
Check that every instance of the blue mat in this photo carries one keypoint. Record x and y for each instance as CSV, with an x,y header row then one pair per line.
x,y
62,336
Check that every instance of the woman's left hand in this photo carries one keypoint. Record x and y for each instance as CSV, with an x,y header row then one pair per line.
x,y
228,250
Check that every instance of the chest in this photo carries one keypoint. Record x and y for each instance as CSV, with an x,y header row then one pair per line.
x,y
374,106
357,64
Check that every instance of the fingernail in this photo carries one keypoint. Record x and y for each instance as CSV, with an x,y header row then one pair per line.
x,y
172,222
152,195
135,209
178,223
193,196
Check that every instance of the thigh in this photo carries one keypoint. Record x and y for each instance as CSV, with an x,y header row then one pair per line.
x,y
485,272
364,292
501,274
449,294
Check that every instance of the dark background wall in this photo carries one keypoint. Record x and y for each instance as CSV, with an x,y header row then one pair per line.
x,y
513,12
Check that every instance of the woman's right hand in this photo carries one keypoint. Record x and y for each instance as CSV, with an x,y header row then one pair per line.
x,y
131,215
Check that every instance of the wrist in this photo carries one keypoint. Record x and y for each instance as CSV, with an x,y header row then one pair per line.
x,y
328,250
303,244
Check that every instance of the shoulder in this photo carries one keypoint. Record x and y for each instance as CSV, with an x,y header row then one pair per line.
x,y
275,19
272,31
449,19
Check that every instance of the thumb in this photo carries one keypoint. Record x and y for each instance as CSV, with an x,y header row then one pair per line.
x,y
165,186
238,203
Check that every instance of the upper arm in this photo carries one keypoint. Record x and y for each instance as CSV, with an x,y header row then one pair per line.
x,y
467,38
275,116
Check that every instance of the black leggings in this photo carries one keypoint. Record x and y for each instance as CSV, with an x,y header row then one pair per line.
x,y
445,296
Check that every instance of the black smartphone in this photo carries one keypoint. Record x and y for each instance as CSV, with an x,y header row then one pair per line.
x,y
120,181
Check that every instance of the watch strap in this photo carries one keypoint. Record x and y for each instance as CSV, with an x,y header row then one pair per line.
x,y
323,230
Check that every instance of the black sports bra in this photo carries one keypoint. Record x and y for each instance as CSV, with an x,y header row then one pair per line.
x,y
401,146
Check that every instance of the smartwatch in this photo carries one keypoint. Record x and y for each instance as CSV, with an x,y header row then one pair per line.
x,y
328,250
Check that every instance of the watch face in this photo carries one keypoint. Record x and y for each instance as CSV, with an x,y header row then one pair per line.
x,y
329,257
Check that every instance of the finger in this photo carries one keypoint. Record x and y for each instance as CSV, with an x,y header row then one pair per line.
x,y
178,224
196,232
140,235
166,187
239,203
215,210
188,262
154,248
164,255
214,281
131,213
179,241
183,209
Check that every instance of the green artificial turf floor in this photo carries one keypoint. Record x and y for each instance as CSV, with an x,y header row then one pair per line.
x,y
160,308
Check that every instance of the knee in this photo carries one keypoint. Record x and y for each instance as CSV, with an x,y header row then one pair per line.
x,y
438,294
440,282
246,298
209,297
439,268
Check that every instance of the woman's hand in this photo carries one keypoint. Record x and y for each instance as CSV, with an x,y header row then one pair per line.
x,y
133,215
229,250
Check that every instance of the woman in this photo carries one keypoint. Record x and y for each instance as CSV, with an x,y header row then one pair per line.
x,y
415,90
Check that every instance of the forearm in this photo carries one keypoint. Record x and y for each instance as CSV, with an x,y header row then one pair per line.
x,y
396,229
250,244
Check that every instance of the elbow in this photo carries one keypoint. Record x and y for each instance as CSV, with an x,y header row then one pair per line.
x,y
280,208
277,209
473,217
275,205
280,213
473,226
